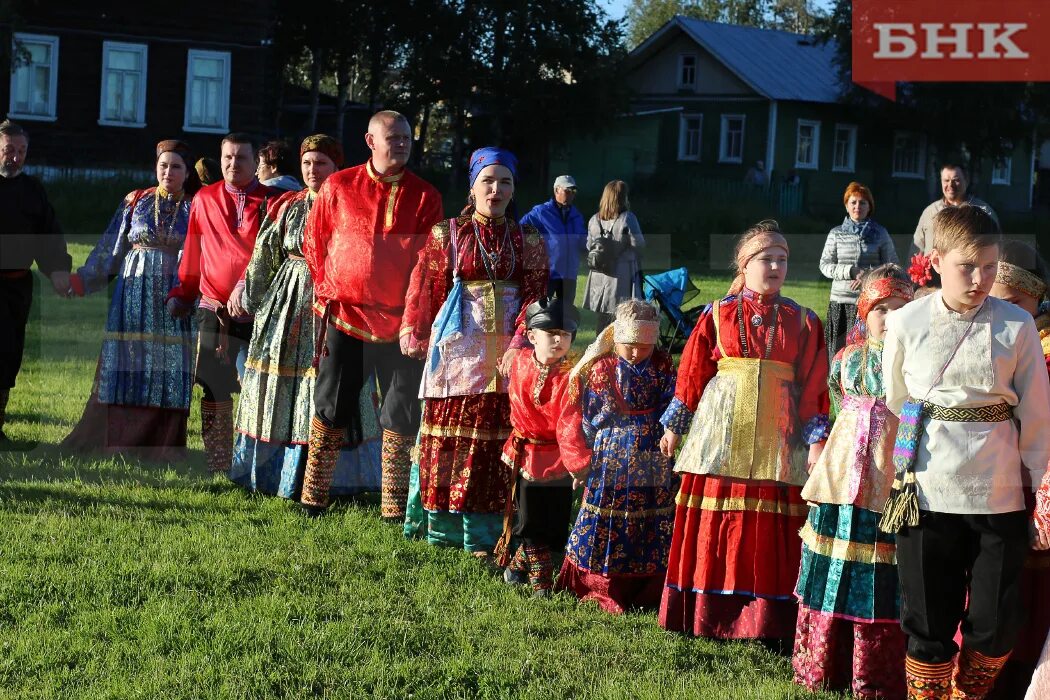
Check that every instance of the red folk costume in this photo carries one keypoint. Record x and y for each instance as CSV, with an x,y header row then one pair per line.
x,y
466,413
547,442
735,550
220,238
362,240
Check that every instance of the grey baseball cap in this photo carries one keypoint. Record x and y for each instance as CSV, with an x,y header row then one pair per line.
x,y
565,181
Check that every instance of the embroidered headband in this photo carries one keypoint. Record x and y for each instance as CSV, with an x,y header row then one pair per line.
x,y
175,146
634,331
484,157
323,143
754,246
1020,279
879,291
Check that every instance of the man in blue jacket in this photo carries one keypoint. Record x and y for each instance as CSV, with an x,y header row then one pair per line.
x,y
561,225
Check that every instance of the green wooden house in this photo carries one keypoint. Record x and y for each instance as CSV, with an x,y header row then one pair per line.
x,y
715,104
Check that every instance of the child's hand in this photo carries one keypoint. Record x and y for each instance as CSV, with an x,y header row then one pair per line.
x,y
503,364
669,443
815,451
1038,539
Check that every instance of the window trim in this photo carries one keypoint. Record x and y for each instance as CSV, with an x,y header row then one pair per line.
x,y
815,123
905,175
678,79
140,108
852,168
227,59
723,132
1008,180
52,97
682,129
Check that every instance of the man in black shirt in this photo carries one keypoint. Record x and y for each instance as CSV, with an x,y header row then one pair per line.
x,y
28,233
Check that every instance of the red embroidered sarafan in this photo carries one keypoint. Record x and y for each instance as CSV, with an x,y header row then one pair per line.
x,y
525,264
799,342
362,240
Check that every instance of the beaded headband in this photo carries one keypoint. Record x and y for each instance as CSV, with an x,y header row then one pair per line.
x,y
879,291
640,332
1020,279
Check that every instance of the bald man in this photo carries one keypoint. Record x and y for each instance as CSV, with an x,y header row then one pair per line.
x,y
362,239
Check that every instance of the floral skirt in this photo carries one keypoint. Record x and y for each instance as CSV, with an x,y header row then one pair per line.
x,y
835,654
734,559
463,483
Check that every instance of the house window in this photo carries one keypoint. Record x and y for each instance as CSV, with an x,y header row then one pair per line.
x,y
909,154
207,92
123,100
807,144
1002,171
687,71
845,148
731,143
34,81
689,136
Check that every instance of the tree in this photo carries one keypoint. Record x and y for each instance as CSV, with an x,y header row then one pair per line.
x,y
796,16
644,17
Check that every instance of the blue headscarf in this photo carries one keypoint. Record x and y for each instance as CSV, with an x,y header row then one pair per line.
x,y
490,155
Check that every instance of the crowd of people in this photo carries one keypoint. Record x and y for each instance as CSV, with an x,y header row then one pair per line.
x,y
870,493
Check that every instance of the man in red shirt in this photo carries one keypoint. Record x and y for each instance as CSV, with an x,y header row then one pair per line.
x,y
224,221
362,240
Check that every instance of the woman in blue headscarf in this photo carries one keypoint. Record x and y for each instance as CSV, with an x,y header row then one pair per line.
x,y
465,312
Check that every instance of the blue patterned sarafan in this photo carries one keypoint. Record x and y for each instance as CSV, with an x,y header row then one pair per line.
x,y
626,519
147,356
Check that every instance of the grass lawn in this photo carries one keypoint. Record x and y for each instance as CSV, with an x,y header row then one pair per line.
x,y
124,579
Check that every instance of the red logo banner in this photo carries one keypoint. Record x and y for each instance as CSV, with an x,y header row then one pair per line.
x,y
960,41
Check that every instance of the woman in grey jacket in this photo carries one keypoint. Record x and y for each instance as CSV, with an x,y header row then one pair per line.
x,y
856,245
618,228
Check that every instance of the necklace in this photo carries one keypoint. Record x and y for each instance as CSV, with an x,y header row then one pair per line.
x,y
169,220
744,349
491,259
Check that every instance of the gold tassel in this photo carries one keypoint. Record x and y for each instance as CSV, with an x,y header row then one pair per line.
x,y
902,507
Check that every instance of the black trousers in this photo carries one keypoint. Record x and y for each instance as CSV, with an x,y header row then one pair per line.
x,y
841,318
564,288
947,556
341,374
218,375
543,512
16,299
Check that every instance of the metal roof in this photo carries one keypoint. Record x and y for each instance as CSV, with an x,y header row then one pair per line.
x,y
777,65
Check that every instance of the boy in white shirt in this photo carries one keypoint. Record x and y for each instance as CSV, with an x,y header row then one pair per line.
x,y
985,443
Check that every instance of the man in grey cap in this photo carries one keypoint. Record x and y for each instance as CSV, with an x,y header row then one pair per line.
x,y
562,227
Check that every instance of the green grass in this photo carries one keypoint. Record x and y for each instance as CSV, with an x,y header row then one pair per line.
x,y
124,579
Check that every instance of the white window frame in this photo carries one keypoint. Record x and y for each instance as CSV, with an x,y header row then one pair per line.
x,y
800,165
227,60
682,85
919,174
723,142
683,129
851,166
52,95
1002,171
140,109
